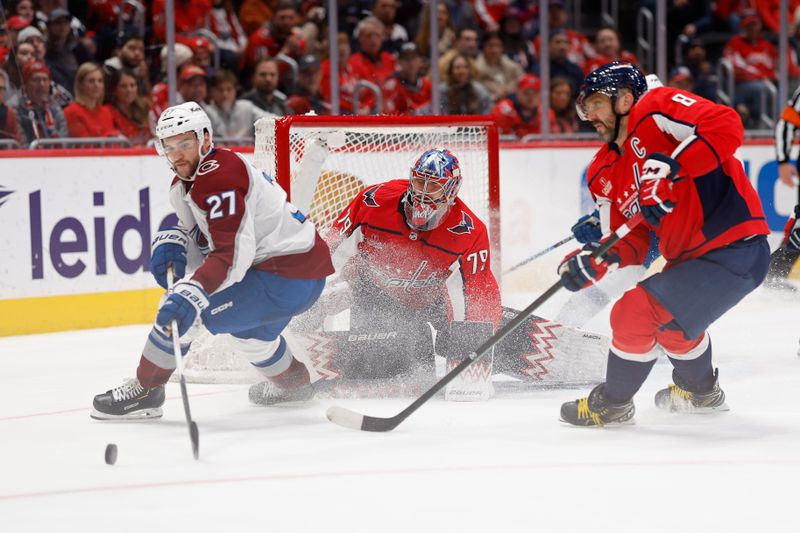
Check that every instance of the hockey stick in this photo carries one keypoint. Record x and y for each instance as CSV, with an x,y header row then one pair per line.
x,y
351,419
539,254
194,434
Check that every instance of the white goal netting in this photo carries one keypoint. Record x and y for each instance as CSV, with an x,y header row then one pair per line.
x,y
323,162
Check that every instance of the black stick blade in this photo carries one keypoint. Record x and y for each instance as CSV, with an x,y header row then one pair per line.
x,y
194,434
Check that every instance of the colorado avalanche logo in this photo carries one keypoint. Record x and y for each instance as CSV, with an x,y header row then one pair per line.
x,y
208,166
465,227
369,196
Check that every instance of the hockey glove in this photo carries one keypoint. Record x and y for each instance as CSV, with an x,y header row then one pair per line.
x,y
579,269
587,228
791,233
185,304
656,197
169,248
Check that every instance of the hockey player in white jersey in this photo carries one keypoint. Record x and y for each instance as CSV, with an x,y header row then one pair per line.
x,y
260,264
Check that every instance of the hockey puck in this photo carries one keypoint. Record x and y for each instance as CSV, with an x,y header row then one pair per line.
x,y
111,454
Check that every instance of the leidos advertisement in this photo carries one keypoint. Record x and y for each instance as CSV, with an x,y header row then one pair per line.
x,y
79,225
75,232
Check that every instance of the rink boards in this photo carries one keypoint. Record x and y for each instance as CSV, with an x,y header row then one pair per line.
x,y
75,230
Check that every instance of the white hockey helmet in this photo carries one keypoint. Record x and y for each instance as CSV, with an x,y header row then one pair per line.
x,y
182,118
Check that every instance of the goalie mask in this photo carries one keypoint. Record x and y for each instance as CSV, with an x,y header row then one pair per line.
x,y
183,118
432,188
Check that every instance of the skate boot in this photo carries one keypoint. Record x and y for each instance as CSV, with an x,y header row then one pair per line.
x,y
268,393
680,398
129,401
597,410
292,385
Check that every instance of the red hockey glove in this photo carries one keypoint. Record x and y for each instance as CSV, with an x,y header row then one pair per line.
x,y
579,269
656,198
791,233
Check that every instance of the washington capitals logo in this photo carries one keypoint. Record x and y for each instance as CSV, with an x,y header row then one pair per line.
x,y
369,196
4,194
465,227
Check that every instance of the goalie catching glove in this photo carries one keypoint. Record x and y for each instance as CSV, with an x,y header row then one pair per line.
x,y
184,305
168,249
656,197
579,269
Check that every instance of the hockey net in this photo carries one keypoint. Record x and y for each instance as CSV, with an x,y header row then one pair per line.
x,y
323,162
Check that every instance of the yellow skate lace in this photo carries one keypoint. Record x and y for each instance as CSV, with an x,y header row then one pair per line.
x,y
677,392
585,412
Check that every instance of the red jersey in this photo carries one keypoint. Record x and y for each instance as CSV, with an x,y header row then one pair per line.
x,y
365,68
136,133
511,120
450,262
716,204
347,84
751,60
85,122
264,43
401,97
190,15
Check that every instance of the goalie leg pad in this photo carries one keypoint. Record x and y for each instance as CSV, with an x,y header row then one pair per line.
x,y
457,342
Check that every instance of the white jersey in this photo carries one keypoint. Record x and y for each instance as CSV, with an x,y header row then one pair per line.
x,y
240,218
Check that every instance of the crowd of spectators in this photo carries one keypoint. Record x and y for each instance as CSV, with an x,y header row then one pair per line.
x,y
95,69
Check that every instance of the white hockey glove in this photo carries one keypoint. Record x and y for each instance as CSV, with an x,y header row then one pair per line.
x,y
185,305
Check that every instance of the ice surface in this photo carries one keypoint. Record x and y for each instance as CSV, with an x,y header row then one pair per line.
x,y
502,465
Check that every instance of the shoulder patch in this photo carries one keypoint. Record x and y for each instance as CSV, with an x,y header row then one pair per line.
x,y
207,166
369,196
466,226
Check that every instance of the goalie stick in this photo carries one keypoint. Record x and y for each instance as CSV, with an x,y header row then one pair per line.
x,y
194,434
350,419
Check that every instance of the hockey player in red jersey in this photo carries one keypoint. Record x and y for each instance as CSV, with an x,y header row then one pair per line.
x,y
670,156
260,263
409,252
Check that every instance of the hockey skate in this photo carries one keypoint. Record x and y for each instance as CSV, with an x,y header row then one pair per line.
x,y
268,393
679,398
597,410
129,401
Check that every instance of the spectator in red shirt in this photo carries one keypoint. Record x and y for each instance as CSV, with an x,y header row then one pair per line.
x,y
278,36
407,92
345,78
520,114
190,15
231,37
609,48
754,59
370,63
562,107
86,116
130,110
159,95
202,51
23,9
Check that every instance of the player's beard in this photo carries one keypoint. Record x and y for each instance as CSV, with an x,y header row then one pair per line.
x,y
607,131
186,170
